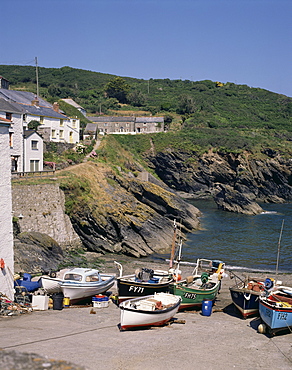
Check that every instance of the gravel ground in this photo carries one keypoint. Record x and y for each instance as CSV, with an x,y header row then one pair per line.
x,y
89,338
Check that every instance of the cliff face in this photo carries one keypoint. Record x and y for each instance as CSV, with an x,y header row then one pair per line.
x,y
111,210
128,215
236,182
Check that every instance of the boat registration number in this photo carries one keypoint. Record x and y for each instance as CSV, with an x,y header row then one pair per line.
x,y
282,316
136,289
190,295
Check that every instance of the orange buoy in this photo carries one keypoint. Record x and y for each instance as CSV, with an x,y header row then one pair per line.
x,y
2,263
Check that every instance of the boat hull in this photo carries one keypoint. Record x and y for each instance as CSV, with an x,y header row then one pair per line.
x,y
275,317
51,285
138,318
192,298
246,301
76,291
128,289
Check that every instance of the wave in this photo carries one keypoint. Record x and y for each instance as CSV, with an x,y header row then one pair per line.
x,y
256,270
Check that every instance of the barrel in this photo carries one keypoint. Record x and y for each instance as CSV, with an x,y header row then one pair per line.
x,y
66,302
58,301
207,307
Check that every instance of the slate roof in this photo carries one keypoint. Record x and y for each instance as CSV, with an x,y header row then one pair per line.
x,y
90,128
149,119
23,97
10,107
73,103
112,119
43,111
27,133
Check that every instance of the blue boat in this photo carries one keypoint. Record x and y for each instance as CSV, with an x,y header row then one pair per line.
x,y
245,295
275,310
31,286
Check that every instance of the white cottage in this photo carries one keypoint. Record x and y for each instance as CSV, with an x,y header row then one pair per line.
x,y
54,124
26,146
33,151
6,228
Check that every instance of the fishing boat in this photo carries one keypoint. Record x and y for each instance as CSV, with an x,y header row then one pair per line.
x,y
275,310
81,283
143,282
152,310
52,280
203,284
275,306
245,295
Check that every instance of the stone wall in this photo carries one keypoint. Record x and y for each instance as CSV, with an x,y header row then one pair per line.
x,y
42,208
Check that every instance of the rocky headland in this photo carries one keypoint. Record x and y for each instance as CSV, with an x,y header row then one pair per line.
x,y
100,208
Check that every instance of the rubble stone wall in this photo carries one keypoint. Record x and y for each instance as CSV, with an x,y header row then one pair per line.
x,y
42,208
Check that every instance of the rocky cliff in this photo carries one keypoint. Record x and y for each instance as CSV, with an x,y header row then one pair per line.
x,y
110,212
237,182
128,211
127,214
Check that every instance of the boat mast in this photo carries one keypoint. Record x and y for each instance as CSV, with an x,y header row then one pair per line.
x,y
173,245
279,242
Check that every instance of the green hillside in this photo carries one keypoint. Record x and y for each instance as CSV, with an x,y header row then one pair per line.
x,y
201,103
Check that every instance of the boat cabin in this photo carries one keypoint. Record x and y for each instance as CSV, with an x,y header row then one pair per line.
x,y
82,275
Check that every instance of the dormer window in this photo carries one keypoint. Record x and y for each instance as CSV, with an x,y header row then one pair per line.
x,y
41,120
61,122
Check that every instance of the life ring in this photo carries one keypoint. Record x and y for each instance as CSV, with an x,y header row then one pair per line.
x,y
2,263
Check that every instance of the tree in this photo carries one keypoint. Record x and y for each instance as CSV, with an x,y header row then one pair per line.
x,y
33,125
186,104
136,98
117,88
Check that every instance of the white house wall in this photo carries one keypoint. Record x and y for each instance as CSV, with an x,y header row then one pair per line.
x,y
6,228
59,133
33,154
17,139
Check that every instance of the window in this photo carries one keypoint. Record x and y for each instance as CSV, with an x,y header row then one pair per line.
x,y
34,145
53,134
9,116
74,123
34,165
61,122
24,117
71,137
41,120
11,139
61,134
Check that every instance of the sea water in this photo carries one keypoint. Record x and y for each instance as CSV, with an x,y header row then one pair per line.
x,y
243,242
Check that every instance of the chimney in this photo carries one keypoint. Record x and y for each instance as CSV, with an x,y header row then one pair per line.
x,y
35,102
56,107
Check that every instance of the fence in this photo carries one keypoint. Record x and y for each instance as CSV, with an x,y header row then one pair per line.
x,y
17,175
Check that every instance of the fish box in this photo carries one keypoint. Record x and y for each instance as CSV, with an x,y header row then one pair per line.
x,y
40,302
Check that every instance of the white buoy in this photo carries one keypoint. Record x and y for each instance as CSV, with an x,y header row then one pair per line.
x,y
262,328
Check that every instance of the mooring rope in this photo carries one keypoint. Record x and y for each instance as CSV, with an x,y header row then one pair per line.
x,y
57,337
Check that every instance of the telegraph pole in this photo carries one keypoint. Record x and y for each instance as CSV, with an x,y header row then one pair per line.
x,y
37,75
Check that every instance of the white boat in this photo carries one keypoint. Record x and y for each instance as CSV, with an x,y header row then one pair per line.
x,y
51,282
152,310
81,283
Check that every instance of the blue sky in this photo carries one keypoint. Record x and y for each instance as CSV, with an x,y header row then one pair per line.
x,y
241,41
